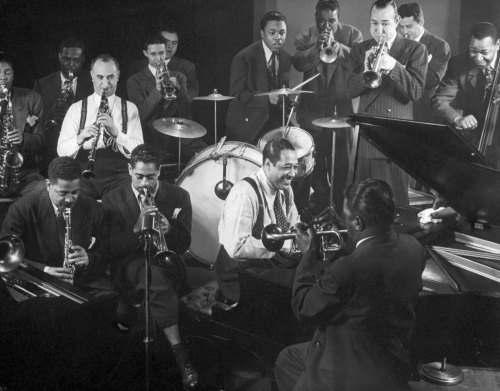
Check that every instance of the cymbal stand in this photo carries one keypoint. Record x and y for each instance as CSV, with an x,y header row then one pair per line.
x,y
215,117
332,169
179,159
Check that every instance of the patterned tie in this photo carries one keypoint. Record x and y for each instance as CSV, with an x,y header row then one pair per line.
x,y
280,215
489,75
68,86
271,67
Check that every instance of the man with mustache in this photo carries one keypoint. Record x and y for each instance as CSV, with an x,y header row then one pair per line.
x,y
261,67
264,198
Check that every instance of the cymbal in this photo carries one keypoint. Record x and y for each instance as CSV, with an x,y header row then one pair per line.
x,y
179,127
283,91
215,96
331,122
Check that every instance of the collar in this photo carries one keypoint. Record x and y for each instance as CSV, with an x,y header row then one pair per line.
x,y
153,193
268,52
364,240
494,61
97,100
420,36
63,79
391,41
152,69
267,187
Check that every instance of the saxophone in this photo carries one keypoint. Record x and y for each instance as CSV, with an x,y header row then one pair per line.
x,y
68,243
57,112
168,90
10,159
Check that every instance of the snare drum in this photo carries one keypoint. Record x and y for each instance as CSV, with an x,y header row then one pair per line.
x,y
303,143
199,178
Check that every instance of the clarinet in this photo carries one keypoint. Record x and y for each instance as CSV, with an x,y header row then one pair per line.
x,y
68,243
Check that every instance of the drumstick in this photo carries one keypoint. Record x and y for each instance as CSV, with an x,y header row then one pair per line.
x,y
305,82
218,146
287,127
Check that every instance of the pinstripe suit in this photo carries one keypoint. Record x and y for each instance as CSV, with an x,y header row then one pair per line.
x,y
393,99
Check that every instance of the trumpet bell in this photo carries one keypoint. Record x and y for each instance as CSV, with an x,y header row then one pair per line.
x,y
11,253
173,265
372,79
272,237
328,55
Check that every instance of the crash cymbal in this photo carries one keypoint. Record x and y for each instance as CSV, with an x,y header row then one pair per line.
x,y
331,122
179,127
283,91
215,96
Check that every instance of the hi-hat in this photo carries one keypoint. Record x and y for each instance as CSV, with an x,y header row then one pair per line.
x,y
179,127
331,122
215,96
283,91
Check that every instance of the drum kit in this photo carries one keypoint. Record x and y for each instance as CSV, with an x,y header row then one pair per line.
x,y
236,160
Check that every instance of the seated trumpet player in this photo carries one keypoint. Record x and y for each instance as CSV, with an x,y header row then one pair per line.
x,y
127,207
263,198
22,137
40,219
388,74
363,303
100,131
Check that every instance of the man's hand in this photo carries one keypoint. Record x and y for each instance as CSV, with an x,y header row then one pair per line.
x,y
159,76
468,122
86,133
59,272
305,238
15,136
164,224
78,257
106,120
273,99
387,63
146,210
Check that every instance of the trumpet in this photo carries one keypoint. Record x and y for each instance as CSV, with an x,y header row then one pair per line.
x,y
164,257
89,172
327,46
372,78
168,90
68,243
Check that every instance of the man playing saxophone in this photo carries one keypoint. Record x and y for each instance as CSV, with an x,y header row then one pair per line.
x,y
118,130
23,137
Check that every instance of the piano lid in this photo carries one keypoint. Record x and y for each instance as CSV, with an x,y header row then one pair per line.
x,y
441,159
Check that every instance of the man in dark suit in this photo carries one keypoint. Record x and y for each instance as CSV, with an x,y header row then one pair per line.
x,y
403,70
177,64
411,26
462,97
21,111
261,67
145,90
52,88
330,97
126,209
37,219
363,303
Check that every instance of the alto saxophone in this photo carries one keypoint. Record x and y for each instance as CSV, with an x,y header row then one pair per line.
x,y
168,90
68,243
89,172
10,159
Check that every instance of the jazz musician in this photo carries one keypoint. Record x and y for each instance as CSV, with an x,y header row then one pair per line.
x,y
37,218
363,303
462,97
401,72
411,25
263,198
261,67
330,95
103,125
61,89
161,93
21,111
126,208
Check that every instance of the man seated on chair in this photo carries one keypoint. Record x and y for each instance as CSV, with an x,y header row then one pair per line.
x,y
264,198
363,303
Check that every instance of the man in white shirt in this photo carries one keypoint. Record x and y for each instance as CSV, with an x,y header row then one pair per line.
x,y
264,198
117,127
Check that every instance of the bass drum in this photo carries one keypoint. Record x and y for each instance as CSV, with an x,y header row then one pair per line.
x,y
199,178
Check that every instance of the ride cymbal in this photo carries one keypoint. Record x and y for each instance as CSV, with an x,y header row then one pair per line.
x,y
331,122
179,127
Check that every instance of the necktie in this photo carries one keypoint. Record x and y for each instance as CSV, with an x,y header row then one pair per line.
x,y
271,66
489,75
279,214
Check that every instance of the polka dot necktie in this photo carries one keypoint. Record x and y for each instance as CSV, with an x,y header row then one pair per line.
x,y
279,214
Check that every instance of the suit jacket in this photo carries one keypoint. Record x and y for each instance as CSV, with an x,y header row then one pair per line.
x,y
122,210
439,49
247,114
49,87
175,64
395,97
364,306
33,219
345,34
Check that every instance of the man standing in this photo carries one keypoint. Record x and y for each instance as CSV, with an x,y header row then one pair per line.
x,y
38,220
402,69
114,121
363,303
411,25
21,111
59,91
126,209
330,96
253,203
462,98
261,67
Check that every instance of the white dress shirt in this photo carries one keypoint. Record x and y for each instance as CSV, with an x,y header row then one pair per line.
x,y
240,214
67,144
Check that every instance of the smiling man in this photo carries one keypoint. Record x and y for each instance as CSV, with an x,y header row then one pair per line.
x,y
462,97
263,198
261,67
118,129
